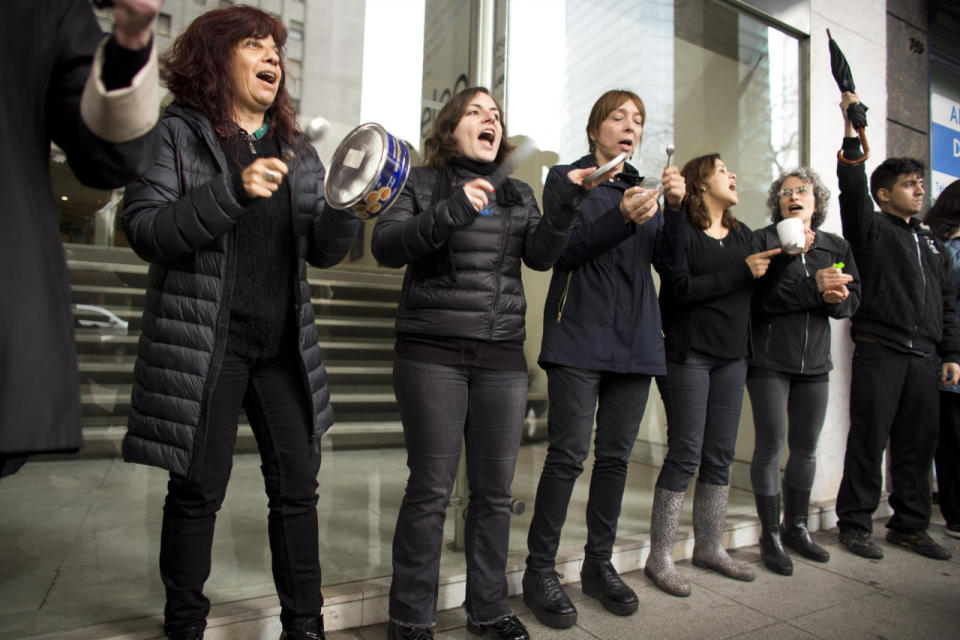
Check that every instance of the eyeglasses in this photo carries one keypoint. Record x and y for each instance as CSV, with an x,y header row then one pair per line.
x,y
786,193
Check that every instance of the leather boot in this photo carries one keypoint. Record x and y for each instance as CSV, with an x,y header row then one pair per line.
x,y
544,594
604,583
771,548
709,517
795,533
304,628
664,522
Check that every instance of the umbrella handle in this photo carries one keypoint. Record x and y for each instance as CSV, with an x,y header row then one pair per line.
x,y
866,151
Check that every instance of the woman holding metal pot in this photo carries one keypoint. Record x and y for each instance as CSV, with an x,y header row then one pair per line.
x,y
460,375
709,267
788,378
602,343
228,228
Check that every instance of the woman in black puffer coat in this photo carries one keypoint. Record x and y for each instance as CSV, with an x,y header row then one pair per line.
x,y
460,373
228,325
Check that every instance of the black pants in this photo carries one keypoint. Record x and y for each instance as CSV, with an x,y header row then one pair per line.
x,y
575,395
948,457
275,399
702,397
893,395
785,410
444,407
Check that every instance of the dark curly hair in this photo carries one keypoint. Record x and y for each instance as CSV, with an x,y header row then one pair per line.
x,y
944,215
696,172
886,175
821,194
440,146
196,68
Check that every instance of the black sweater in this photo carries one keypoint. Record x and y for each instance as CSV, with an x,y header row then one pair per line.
x,y
705,290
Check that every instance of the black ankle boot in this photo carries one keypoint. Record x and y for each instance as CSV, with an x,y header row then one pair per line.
x,y
509,628
774,556
402,632
544,594
304,628
795,533
194,632
603,583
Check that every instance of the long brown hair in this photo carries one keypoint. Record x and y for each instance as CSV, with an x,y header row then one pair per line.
x,y
440,146
196,68
696,172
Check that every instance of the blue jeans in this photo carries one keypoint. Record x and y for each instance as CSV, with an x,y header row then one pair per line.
x,y
618,400
703,397
443,406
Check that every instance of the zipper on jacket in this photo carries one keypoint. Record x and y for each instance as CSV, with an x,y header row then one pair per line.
x,y
246,138
563,296
505,240
806,321
923,283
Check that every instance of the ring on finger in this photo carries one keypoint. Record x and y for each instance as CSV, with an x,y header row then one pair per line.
x,y
271,176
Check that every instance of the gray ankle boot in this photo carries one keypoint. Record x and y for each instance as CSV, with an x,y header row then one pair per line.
x,y
709,515
664,521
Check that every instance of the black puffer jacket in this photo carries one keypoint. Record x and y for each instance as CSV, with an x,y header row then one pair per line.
x,y
463,278
180,217
791,322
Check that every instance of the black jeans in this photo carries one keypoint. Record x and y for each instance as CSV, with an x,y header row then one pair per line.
x,y
948,457
785,410
703,397
618,400
442,407
893,395
275,399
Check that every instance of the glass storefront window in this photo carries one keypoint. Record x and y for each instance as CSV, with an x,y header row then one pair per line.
x,y
712,78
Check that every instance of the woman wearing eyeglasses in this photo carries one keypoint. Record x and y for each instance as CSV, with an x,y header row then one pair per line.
x,y
788,375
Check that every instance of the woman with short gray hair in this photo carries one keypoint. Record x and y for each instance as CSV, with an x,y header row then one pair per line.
x,y
790,360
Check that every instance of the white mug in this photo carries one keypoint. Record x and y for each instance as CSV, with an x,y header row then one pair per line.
x,y
792,237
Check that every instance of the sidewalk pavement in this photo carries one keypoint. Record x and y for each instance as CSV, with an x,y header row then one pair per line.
x,y
903,596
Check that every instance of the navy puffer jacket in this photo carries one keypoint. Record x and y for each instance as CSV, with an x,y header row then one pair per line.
x,y
463,273
180,217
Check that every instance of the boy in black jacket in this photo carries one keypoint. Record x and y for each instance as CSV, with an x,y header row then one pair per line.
x,y
906,318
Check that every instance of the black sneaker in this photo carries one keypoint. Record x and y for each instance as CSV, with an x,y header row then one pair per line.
x,y
403,632
952,529
919,542
509,628
304,628
544,594
603,583
194,632
860,542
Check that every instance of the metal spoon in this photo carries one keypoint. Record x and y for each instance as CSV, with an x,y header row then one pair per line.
x,y
670,150
313,132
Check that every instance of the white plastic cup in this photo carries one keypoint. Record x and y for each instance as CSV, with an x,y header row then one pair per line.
x,y
792,237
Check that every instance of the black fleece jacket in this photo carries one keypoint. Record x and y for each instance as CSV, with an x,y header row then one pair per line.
x,y
908,289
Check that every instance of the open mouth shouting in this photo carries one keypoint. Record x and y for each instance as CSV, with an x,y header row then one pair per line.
x,y
268,77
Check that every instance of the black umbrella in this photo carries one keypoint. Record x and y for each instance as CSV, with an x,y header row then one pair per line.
x,y
857,113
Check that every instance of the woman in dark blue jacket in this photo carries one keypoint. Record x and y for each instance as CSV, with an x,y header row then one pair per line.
x,y
602,342
790,361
